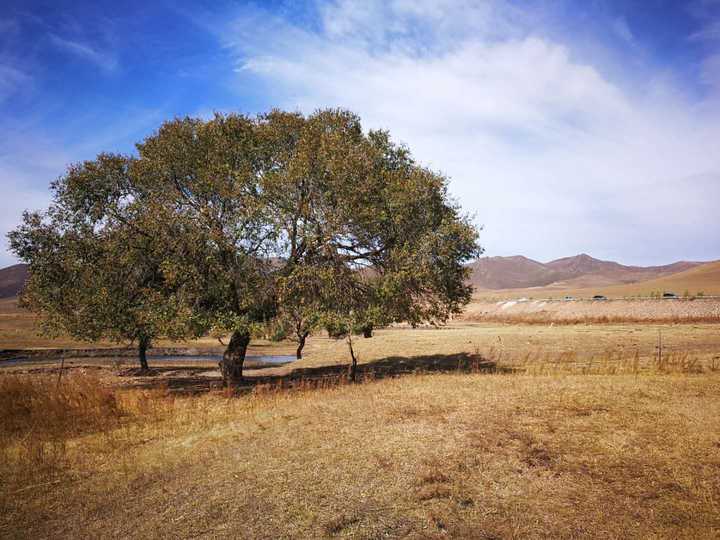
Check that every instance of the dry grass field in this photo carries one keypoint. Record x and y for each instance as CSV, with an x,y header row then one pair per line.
x,y
426,456
676,310
473,430
508,346
19,329
626,326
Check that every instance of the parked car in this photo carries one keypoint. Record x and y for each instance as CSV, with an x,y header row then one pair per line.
x,y
599,297
569,298
669,295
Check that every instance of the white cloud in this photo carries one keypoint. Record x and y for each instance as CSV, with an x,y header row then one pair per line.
x,y
11,212
552,156
21,162
427,22
103,60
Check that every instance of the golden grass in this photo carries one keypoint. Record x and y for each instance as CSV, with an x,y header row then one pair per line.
x,y
626,311
19,329
42,414
515,341
52,407
409,349
590,434
542,318
704,278
428,456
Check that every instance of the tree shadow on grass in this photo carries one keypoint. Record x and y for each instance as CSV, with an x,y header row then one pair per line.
x,y
188,380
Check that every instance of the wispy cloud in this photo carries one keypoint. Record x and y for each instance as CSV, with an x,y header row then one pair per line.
x,y
549,152
622,29
710,32
707,12
11,78
104,60
8,26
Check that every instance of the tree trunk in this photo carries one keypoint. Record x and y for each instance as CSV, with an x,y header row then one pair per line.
x,y
301,344
352,370
143,345
231,365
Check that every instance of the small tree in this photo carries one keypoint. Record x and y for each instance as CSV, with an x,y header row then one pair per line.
x,y
346,325
300,303
94,269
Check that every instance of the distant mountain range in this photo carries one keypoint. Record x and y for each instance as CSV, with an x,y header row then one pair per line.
x,y
495,273
12,280
580,271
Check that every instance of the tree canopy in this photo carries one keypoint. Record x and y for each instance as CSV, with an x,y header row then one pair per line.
x,y
95,271
243,221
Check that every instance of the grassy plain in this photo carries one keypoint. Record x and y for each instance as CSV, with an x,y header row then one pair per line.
x,y
656,311
427,456
20,329
474,430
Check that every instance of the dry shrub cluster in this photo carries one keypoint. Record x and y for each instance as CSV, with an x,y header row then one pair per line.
x,y
40,414
50,407
308,384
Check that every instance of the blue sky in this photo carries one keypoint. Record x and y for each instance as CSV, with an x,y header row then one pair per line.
x,y
565,127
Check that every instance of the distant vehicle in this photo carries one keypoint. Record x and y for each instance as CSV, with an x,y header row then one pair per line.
x,y
569,298
599,297
669,295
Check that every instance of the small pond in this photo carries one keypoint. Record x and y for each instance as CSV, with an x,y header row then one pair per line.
x,y
277,359
263,359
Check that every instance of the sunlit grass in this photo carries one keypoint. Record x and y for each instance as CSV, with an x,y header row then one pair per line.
x,y
459,454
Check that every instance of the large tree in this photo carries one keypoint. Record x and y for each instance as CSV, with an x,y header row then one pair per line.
x,y
282,215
